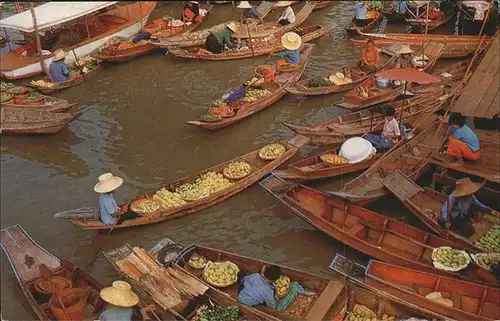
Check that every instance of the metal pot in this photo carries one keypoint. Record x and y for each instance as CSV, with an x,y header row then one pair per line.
x,y
383,82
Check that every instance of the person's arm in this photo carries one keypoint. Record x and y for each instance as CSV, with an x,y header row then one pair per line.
x,y
480,205
111,207
444,208
227,40
271,300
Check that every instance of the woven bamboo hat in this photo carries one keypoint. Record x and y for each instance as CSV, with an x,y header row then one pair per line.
x,y
59,54
465,186
233,27
120,294
291,41
402,49
244,5
107,183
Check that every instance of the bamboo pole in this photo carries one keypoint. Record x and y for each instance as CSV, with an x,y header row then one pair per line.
x,y
37,39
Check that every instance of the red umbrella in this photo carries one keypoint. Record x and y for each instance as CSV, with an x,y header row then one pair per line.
x,y
409,75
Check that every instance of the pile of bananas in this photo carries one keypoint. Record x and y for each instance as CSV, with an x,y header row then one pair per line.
x,y
490,242
282,285
449,257
145,206
221,274
237,170
196,261
271,151
253,94
42,83
168,199
333,159
486,260
207,184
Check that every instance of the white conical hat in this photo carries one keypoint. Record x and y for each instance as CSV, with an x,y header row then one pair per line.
x,y
107,183
244,5
291,41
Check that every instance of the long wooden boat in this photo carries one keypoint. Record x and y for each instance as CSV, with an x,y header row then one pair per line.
x,y
116,54
259,48
322,4
352,29
259,169
164,30
23,121
356,98
339,128
283,4
331,299
25,256
394,17
420,25
254,107
68,83
49,104
369,232
409,158
426,205
456,46
122,21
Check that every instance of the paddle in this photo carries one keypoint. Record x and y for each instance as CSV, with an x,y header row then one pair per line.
x,y
46,274
122,211
78,65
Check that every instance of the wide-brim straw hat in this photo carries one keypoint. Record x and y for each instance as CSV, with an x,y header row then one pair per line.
x,y
244,5
403,49
465,186
291,41
108,183
119,294
233,27
195,2
59,54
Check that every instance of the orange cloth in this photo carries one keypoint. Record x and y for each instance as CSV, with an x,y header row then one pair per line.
x,y
190,15
371,55
458,148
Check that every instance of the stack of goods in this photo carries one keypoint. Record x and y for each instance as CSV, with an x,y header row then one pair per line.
x,y
254,94
486,260
282,285
333,159
5,86
145,206
271,152
210,118
362,313
168,199
168,287
237,170
7,98
208,183
87,63
208,313
197,261
299,306
319,81
221,274
490,242
446,258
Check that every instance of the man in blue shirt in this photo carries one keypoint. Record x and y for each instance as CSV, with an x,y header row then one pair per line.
x,y
361,10
59,72
258,289
291,42
108,208
120,300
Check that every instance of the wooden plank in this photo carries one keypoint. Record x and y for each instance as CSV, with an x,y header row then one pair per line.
x,y
325,301
486,108
401,186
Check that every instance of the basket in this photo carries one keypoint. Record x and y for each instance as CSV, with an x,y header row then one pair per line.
x,y
327,159
273,157
137,202
75,302
480,256
227,115
211,119
196,255
238,104
243,175
43,286
225,262
7,98
440,266
19,91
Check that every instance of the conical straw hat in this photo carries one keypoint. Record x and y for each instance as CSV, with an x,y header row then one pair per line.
x,y
244,5
465,186
291,41
120,294
233,27
107,183
59,54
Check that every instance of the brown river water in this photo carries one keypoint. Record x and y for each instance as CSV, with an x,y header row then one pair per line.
x,y
133,126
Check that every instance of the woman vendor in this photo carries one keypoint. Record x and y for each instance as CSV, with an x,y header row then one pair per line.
x,y
370,56
59,71
404,55
107,205
463,206
255,289
291,55
191,12
120,300
287,17
217,39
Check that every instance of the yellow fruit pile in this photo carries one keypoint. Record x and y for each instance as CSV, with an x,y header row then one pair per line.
x,y
282,285
333,159
168,199
196,261
220,274
271,151
237,170
253,94
145,206
42,83
487,260
449,257
208,183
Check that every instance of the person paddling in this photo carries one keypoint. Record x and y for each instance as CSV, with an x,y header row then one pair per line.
x,y
107,205
287,17
59,71
291,55
251,14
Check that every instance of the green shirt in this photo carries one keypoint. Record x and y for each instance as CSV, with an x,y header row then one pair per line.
x,y
223,37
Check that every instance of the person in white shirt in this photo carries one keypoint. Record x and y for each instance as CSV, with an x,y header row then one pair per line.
x,y
390,133
287,17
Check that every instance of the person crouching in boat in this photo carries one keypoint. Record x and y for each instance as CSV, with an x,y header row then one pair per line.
x,y
463,206
251,14
108,209
287,17
256,289
59,71
191,12
120,300
291,55
216,41
390,134
404,56
462,142
370,57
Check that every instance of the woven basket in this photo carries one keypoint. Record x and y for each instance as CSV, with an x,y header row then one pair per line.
x,y
234,178
75,304
137,202
43,286
218,286
325,159
224,116
264,157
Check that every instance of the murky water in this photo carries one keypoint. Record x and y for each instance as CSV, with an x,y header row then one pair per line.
x,y
133,126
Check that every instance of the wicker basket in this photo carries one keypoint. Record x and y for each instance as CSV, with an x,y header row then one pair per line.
x,y
264,157
218,286
325,158
235,178
43,286
137,202
224,116
75,305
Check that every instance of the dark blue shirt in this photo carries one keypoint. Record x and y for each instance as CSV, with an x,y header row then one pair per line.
x,y
291,56
253,13
59,72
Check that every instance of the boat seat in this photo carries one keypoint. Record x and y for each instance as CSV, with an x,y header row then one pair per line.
x,y
355,229
324,302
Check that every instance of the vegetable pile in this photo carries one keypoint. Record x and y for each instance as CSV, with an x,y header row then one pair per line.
x,y
319,81
486,260
282,285
490,242
207,184
333,159
6,85
221,274
300,306
6,97
145,206
222,111
253,94
237,170
449,257
168,199
209,118
217,313
271,151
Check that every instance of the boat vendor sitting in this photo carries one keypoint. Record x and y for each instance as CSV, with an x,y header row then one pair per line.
x,y
217,39
107,205
191,12
370,56
404,55
251,13
59,71
462,142
463,206
120,300
390,134
287,17
255,289
291,55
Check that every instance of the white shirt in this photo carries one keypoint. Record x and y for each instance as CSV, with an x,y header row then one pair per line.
x,y
288,14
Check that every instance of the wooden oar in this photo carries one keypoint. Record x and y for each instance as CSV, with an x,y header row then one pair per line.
x,y
46,274
118,216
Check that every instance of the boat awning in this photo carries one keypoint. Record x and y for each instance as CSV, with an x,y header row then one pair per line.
x,y
481,7
53,13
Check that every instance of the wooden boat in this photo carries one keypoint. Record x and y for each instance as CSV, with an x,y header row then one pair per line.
x,y
456,46
116,54
49,104
68,83
25,256
368,93
394,17
420,25
122,21
251,108
283,4
409,158
339,128
260,48
322,4
352,29
23,121
469,302
373,234
426,205
259,169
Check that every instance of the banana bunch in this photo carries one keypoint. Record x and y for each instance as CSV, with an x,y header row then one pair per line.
x,y
271,151
490,242
146,206
196,261
168,199
237,170
282,285
333,159
253,94
42,83
205,185
220,274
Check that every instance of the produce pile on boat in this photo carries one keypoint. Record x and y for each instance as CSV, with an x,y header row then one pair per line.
x,y
271,152
282,285
222,111
490,242
6,85
168,199
209,118
221,274
362,313
6,96
253,94
319,81
333,159
446,258
299,306
217,313
145,206
237,170
208,183
87,63
197,261
486,260
42,83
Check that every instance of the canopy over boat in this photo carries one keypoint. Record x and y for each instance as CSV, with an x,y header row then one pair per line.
x,y
53,13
